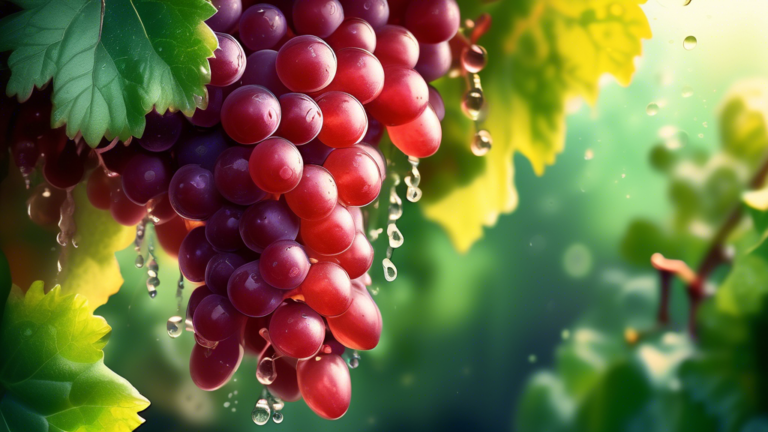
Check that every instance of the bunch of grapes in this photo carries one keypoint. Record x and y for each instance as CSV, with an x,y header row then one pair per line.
x,y
259,195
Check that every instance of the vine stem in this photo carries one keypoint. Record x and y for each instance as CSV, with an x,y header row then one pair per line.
x,y
714,257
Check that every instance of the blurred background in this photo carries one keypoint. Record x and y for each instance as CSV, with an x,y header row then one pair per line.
x,y
464,332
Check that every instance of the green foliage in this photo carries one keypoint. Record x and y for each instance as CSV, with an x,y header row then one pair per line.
x,y
111,61
52,368
5,282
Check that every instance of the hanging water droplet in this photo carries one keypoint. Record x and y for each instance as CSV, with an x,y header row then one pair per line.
x,y
174,326
139,261
413,194
152,284
472,104
481,143
152,267
395,236
265,371
277,417
690,42
395,205
474,58
652,109
390,271
261,412
687,91
354,360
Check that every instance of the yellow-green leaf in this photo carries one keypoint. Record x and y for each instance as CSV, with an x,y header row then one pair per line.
x,y
91,268
744,120
545,53
52,368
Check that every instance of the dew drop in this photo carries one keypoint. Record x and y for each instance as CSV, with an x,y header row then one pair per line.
x,y
139,261
354,360
152,284
652,109
690,42
261,412
174,326
472,103
481,143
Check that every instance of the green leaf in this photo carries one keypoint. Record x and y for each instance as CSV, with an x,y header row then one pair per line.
x,y
744,120
111,61
52,368
540,55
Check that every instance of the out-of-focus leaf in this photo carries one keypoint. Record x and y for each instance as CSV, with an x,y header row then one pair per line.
x,y
745,287
644,238
540,54
52,368
111,62
757,205
5,282
91,269
744,120
544,406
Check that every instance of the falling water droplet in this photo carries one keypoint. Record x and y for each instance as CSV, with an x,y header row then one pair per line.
x,y
67,225
395,236
390,271
174,326
152,284
474,58
152,267
652,109
472,103
354,360
277,417
481,143
265,371
139,261
261,412
395,205
275,402
690,42
687,91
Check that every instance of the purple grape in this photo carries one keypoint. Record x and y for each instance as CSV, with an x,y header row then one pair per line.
x,y
161,132
215,319
233,180
434,60
266,222
219,269
376,12
261,70
262,26
284,264
317,17
228,61
250,294
193,194
194,253
315,153
195,298
203,149
226,16
223,229
375,131
211,115
145,177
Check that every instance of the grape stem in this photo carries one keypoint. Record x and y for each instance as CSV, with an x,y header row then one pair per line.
x,y
713,259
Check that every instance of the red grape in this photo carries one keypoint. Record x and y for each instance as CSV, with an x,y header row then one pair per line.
x,y
306,64
421,137
325,385
195,298
375,12
395,45
377,156
124,211
276,166
250,294
145,177
433,21
286,385
356,260
353,32
160,210
331,235
315,196
201,149
170,235
228,61
99,187
250,114
226,16
212,368
317,17
301,118
211,115
327,289
215,318
360,326
296,330
436,101
357,176
358,73
345,121
404,97
284,264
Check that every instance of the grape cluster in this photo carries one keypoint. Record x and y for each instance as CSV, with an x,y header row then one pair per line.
x,y
259,195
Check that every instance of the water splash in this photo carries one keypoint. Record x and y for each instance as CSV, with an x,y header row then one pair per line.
x,y
174,326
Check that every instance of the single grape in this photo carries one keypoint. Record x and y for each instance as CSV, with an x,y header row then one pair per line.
x,y
212,368
161,131
316,195
327,289
374,12
160,210
262,26
314,152
331,235
325,385
375,131
198,294
194,253
211,115
297,330
301,118
353,32
123,210
250,114
223,229
233,179
201,149
215,318
358,73
261,70
306,64
436,101
228,61
433,21
284,264
356,260
219,269
404,97
317,17
395,45
360,326
276,166
286,385
250,294
266,222
170,235
434,60
25,155
66,169
98,188
377,156
193,194
345,121
357,176
226,16
44,204
146,176
253,341
421,137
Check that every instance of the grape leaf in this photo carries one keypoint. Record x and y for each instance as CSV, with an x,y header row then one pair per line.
x,y
91,268
111,61
544,54
52,368
744,120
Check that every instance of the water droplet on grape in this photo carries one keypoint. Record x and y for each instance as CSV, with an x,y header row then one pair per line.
x,y
174,326
261,412
690,42
652,109
481,143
